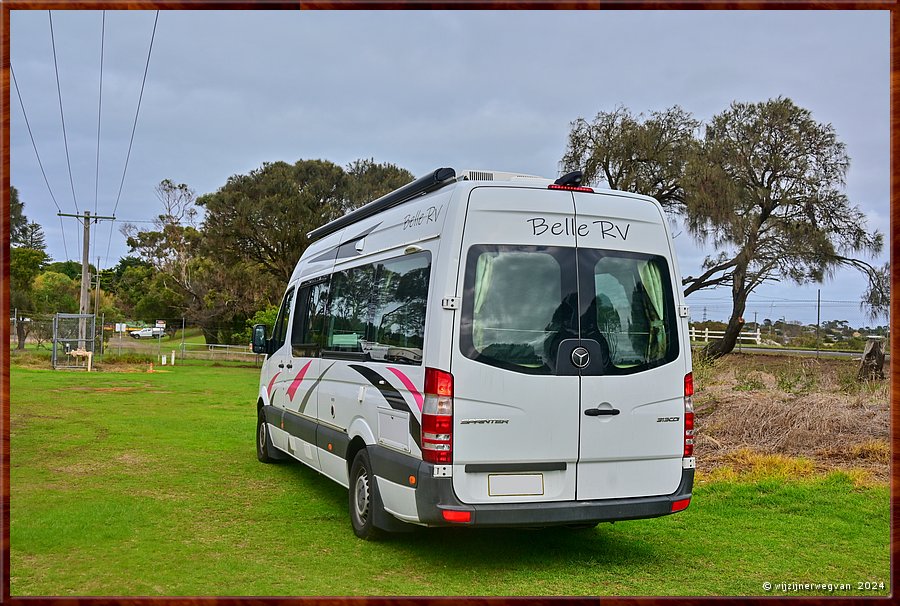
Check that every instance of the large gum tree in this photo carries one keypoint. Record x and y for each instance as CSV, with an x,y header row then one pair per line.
x,y
761,185
765,191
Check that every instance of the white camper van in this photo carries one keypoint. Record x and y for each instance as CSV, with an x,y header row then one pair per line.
x,y
486,349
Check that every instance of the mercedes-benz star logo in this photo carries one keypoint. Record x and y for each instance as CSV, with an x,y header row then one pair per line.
x,y
580,357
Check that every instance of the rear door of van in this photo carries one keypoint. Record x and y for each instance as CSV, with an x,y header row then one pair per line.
x,y
632,406
568,380
516,421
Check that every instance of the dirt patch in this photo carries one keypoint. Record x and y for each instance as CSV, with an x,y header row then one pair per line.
x,y
124,462
97,389
796,407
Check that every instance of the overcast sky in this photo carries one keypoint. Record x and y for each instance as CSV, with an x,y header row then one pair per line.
x,y
227,91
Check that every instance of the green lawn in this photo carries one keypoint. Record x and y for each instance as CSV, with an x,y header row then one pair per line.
x,y
148,484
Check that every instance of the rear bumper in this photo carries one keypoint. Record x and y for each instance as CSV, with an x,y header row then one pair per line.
x,y
434,495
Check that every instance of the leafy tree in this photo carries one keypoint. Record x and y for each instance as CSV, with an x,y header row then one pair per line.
x,y
264,216
17,218
24,266
32,236
189,273
876,301
367,181
69,268
156,299
56,293
645,154
765,189
265,316
762,187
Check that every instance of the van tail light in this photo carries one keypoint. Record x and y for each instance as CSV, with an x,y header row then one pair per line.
x,y
689,415
437,417
580,188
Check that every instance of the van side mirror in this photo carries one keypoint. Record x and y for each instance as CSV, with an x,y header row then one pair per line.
x,y
259,344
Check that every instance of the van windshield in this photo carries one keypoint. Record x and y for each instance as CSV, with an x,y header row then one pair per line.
x,y
520,302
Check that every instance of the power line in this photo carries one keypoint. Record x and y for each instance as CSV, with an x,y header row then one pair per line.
x,y
99,111
38,155
61,112
137,113
99,114
133,130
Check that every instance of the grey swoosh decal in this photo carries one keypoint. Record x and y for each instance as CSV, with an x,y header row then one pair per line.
x,y
312,388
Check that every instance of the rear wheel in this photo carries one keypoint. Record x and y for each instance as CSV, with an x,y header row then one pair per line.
x,y
364,498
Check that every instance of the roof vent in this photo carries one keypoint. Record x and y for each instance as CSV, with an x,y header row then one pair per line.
x,y
494,175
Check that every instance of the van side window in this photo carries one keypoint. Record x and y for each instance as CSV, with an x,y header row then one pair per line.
x,y
279,334
309,320
317,315
401,288
349,309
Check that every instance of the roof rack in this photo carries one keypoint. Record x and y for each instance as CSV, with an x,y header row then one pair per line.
x,y
419,187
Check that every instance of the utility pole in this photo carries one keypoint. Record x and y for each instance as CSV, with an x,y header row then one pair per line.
x,y
85,274
97,289
97,307
818,318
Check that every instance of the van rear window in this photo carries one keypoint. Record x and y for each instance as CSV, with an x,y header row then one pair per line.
x,y
520,302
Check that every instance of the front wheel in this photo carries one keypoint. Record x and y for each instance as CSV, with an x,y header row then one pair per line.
x,y
263,441
363,497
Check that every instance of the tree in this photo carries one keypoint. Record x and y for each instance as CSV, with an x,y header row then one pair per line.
x,y
265,216
69,268
367,181
32,236
24,266
56,293
17,218
876,301
765,189
642,154
191,274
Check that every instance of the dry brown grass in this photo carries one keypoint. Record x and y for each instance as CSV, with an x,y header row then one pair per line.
x,y
801,408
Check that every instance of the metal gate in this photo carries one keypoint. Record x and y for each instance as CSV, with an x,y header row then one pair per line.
x,y
73,340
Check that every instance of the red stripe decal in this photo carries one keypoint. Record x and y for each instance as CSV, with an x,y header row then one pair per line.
x,y
408,384
271,383
296,383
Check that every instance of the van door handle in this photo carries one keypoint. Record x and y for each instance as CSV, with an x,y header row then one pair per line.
x,y
290,365
597,412
281,366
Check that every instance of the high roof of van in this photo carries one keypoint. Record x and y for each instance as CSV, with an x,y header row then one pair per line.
x,y
443,177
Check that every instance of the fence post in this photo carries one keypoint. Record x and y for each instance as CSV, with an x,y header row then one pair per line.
x,y
706,335
758,337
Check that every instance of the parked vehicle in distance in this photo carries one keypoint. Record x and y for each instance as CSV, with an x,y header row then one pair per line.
x,y
147,333
486,349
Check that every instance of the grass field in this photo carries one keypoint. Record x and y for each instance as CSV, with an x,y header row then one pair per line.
x,y
131,483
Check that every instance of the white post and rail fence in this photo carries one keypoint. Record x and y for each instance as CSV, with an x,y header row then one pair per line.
x,y
705,334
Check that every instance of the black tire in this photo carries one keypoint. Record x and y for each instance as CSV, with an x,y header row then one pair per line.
x,y
265,452
364,498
